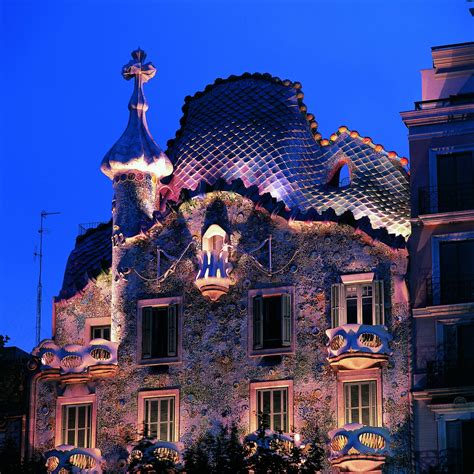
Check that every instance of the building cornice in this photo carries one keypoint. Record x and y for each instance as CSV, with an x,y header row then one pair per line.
x,y
416,118
444,218
428,394
444,310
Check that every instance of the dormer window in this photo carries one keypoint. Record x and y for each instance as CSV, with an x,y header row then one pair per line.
x,y
341,177
357,300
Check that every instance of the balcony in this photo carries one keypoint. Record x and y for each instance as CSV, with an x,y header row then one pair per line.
x,y
64,459
98,358
213,277
358,346
434,199
154,453
359,448
442,291
449,374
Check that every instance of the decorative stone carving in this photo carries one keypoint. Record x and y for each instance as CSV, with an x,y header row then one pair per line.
x,y
98,357
359,448
358,346
65,457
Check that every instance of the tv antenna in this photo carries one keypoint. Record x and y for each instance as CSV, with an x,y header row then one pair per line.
x,y
39,294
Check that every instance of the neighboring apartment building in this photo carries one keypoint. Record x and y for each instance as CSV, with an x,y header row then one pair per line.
x,y
240,280
441,248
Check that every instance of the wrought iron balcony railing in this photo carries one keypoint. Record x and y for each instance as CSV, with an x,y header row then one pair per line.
x,y
437,199
65,457
449,373
359,448
358,346
447,461
440,291
98,357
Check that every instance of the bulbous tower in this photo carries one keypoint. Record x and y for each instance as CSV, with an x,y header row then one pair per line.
x,y
135,163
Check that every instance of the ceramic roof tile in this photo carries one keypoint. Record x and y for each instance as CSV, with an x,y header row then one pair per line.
x,y
254,128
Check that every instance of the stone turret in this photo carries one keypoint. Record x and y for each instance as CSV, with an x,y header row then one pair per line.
x,y
135,163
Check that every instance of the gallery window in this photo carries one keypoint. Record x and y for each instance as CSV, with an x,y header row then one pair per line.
x,y
359,299
158,413
271,321
271,403
360,402
159,331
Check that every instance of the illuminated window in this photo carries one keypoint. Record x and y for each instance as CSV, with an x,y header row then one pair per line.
x,y
272,408
360,402
271,403
77,425
357,302
158,414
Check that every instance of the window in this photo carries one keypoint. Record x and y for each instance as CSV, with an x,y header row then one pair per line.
x,y
459,453
455,177
271,403
100,332
159,332
272,408
158,414
341,177
159,418
360,402
159,329
456,271
357,302
76,423
271,322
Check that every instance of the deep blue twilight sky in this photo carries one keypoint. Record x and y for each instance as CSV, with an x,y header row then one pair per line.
x,y
64,102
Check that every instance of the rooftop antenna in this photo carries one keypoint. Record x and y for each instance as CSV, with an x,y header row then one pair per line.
x,y
39,294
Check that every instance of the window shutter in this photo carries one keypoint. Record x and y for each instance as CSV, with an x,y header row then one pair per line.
x,y
146,332
378,302
286,319
172,329
338,300
258,322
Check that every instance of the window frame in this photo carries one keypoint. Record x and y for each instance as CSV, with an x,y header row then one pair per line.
x,y
255,387
159,302
93,322
354,376
70,401
269,292
372,407
153,395
358,280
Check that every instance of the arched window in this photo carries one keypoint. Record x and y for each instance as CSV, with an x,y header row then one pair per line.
x,y
214,239
342,177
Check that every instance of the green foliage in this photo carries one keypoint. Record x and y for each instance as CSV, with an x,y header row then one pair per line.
x,y
221,453
3,340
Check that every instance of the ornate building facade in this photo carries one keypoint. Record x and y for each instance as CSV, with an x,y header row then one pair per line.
x,y
441,134
241,280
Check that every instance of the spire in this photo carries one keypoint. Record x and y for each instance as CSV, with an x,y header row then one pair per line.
x,y
136,149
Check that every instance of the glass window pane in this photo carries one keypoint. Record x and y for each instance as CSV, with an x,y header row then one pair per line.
x,y
277,423
164,432
81,423
277,401
164,410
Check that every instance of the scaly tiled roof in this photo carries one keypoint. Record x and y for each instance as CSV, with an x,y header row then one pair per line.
x,y
255,128
91,256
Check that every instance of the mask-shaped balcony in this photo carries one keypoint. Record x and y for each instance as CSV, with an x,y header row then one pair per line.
x,y
358,346
359,448
65,459
97,358
213,276
149,452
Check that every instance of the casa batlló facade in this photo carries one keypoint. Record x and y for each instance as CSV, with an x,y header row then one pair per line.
x,y
241,280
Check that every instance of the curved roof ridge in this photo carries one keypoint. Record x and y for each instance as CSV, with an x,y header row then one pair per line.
x,y
312,123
